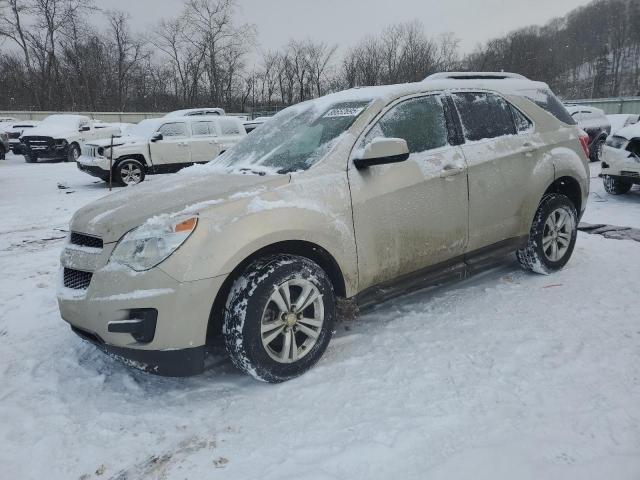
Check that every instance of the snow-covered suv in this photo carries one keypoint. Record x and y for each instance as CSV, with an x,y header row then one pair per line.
x,y
621,160
160,145
346,199
62,136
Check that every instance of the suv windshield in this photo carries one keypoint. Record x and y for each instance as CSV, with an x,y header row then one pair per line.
x,y
144,129
296,138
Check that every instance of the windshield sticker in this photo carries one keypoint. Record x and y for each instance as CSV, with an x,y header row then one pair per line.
x,y
343,112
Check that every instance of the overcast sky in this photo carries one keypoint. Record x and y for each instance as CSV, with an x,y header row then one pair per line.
x,y
344,22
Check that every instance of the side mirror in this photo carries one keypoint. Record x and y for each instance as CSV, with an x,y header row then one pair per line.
x,y
382,151
85,128
156,136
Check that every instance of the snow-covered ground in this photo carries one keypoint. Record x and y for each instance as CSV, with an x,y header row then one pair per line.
x,y
508,375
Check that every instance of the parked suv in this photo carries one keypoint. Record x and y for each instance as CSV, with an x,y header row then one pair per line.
x,y
62,136
160,145
340,201
593,121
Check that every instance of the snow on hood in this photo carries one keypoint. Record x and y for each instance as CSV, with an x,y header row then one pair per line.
x,y
630,132
114,215
117,141
52,130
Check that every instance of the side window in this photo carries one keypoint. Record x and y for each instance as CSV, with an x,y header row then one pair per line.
x,y
202,128
173,130
419,121
484,115
523,124
229,127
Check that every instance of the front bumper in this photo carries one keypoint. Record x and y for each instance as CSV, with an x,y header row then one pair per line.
x,y
93,170
169,363
116,295
619,163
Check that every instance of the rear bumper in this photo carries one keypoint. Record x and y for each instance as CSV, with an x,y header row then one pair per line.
x,y
170,363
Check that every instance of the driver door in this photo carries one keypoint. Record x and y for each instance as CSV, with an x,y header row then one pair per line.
x,y
173,150
411,215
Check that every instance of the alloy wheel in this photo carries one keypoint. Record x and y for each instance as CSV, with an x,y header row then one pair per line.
x,y
556,237
292,320
130,174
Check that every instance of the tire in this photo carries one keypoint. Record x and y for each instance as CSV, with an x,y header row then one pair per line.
x,y
616,186
30,157
128,172
255,346
73,153
3,153
595,154
547,250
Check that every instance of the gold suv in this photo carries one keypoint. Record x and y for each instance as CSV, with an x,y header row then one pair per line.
x,y
346,199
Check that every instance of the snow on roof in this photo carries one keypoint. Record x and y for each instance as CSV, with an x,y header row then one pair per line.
x,y
475,76
583,108
387,93
191,111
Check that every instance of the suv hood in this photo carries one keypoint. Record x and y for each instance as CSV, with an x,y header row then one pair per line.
x,y
114,215
53,130
630,132
118,141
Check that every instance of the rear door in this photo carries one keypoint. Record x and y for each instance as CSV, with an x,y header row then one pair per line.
x,y
173,150
500,152
204,146
414,214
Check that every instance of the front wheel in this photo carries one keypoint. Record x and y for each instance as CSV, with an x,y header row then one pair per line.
x,y
129,172
279,317
616,186
2,153
552,237
73,154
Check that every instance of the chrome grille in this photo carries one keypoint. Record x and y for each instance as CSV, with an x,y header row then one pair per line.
x,y
86,240
90,151
38,143
77,279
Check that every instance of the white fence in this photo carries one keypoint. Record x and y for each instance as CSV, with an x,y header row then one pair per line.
x,y
612,105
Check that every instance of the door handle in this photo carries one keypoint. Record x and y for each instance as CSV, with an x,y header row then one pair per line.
x,y
451,171
528,148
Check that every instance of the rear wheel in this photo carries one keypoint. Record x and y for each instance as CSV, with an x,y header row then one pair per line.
x,y
552,237
279,317
129,172
596,152
616,186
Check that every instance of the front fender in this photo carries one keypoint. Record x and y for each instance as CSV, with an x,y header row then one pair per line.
x,y
231,232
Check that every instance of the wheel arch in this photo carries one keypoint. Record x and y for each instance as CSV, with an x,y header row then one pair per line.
x,y
135,156
569,187
301,248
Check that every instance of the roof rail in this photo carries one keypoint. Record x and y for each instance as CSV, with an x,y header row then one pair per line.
x,y
476,76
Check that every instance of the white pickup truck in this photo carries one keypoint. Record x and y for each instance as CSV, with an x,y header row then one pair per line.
x,y
160,145
62,136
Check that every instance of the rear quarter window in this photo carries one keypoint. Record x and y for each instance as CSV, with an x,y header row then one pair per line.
x,y
484,115
229,127
546,100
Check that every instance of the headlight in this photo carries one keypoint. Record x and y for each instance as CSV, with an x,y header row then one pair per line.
x,y
61,143
150,244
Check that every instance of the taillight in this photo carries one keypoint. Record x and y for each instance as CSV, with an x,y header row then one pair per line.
x,y
584,141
